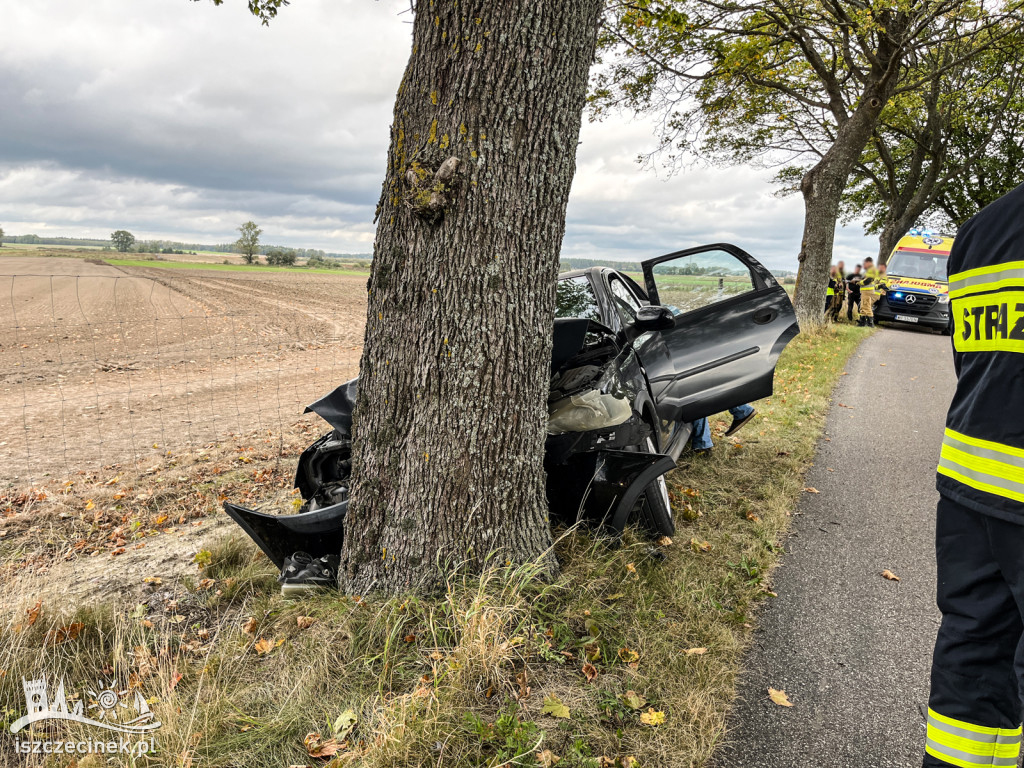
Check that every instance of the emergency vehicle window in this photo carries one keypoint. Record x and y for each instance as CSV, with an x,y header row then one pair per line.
x,y
575,298
691,282
925,266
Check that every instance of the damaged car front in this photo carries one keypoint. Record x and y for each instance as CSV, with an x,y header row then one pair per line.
x,y
628,378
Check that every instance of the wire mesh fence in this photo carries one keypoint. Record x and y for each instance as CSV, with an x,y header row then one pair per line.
x,y
101,369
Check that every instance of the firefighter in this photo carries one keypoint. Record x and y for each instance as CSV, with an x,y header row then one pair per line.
x,y
830,292
974,711
853,288
840,294
868,294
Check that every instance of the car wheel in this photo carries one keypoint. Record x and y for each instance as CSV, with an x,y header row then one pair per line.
x,y
653,510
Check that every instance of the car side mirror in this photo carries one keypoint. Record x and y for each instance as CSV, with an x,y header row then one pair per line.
x,y
655,318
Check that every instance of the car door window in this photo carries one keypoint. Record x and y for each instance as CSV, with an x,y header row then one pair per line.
x,y
692,282
575,298
625,302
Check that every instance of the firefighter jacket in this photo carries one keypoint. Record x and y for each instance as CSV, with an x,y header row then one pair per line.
x,y
868,283
982,463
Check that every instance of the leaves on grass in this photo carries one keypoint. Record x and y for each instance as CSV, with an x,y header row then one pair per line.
x,y
305,622
628,655
592,651
154,580
547,758
652,717
809,489
664,541
753,518
589,671
633,700
631,568
779,697
203,558
264,646
205,584
695,651
64,634
344,724
175,679
890,575
699,546
89,504
250,626
553,706
317,746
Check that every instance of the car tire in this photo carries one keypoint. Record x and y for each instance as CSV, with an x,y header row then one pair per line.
x,y
653,510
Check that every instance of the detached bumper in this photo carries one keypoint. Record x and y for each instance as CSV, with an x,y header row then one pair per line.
x,y
279,536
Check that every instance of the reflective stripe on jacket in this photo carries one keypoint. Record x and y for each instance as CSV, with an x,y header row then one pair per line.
x,y
982,460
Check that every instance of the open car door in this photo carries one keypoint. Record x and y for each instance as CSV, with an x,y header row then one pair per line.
x,y
732,321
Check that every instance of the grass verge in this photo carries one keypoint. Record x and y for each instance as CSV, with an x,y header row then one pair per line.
x,y
628,659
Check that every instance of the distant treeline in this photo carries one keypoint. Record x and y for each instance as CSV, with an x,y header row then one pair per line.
x,y
174,246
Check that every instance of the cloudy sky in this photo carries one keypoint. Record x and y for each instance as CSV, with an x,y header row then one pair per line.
x,y
180,120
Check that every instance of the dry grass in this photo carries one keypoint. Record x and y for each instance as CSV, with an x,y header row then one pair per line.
x,y
467,677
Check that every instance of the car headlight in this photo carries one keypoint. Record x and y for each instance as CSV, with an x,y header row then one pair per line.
x,y
943,298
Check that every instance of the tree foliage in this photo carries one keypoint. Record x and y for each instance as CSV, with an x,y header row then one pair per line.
x,y
122,240
264,10
1,237
797,82
249,243
280,257
953,142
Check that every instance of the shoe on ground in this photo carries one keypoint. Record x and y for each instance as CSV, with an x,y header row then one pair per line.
x,y
303,573
737,425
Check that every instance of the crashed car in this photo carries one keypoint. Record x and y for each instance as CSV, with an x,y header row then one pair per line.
x,y
631,369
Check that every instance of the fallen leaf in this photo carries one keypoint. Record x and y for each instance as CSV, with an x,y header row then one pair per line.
x,y
410,638
250,626
628,655
592,651
317,747
890,575
154,580
589,671
64,634
90,505
263,647
553,706
630,567
695,651
633,700
809,489
305,622
699,546
33,612
665,541
652,717
344,724
779,697
175,679
206,583
547,758
176,619
753,518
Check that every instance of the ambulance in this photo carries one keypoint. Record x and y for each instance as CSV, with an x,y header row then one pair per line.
x,y
918,287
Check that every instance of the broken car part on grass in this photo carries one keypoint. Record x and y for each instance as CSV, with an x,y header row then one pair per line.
x,y
631,369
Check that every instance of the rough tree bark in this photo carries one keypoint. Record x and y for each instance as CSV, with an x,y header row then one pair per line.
x,y
822,186
450,421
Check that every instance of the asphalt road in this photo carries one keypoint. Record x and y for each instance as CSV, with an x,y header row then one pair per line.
x,y
850,648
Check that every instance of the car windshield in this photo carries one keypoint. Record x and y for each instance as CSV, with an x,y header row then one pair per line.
x,y
926,266
575,298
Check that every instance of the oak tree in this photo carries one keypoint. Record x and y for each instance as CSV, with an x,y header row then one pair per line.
x,y
450,422
955,139
249,243
122,240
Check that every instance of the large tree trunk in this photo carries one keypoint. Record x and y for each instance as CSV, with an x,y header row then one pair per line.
x,y
822,188
449,426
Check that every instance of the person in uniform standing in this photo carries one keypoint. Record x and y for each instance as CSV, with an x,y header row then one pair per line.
x,y
974,709
853,291
868,294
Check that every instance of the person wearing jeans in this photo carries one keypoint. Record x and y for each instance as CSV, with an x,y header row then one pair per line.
x,y
701,440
